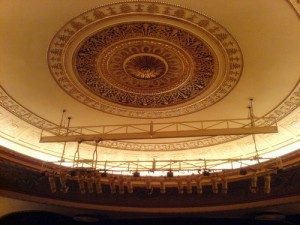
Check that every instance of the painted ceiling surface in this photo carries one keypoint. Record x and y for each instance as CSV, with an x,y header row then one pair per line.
x,y
140,61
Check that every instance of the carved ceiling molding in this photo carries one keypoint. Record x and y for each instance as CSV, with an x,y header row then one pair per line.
x,y
288,105
144,71
197,62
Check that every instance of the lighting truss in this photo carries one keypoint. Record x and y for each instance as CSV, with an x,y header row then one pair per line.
x,y
168,168
239,126
91,180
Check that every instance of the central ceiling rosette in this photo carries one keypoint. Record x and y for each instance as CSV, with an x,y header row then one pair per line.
x,y
145,60
145,65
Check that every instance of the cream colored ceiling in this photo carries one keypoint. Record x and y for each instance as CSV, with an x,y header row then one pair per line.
x,y
267,31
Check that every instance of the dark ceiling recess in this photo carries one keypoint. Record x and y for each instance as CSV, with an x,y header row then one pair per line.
x,y
21,179
47,218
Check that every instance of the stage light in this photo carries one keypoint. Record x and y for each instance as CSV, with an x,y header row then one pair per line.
x,y
170,174
215,187
73,173
267,184
104,174
121,187
199,187
206,173
98,186
243,172
81,185
129,187
112,187
64,188
224,186
253,187
149,189
136,174
189,189
52,183
90,185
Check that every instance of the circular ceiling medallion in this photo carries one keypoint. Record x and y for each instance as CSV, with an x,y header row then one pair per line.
x,y
145,59
141,65
121,68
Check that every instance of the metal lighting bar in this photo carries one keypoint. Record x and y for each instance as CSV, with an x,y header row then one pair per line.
x,y
160,130
165,165
156,135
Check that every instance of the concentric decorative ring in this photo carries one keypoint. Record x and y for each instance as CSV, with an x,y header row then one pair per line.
x,y
113,59
109,80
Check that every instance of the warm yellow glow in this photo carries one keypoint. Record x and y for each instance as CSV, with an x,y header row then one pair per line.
x,y
27,151
213,165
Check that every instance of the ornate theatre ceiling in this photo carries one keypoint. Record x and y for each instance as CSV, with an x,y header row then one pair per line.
x,y
141,61
113,56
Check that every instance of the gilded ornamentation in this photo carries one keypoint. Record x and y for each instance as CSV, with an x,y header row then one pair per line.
x,y
179,63
145,67
125,53
115,66
66,36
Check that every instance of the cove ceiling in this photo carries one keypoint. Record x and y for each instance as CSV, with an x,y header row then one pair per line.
x,y
141,61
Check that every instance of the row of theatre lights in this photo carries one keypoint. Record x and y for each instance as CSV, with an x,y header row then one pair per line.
x,y
90,182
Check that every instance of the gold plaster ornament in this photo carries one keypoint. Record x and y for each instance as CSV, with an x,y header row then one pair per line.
x,y
145,65
114,59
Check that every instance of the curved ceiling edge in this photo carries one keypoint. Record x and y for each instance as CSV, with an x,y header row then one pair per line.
x,y
284,108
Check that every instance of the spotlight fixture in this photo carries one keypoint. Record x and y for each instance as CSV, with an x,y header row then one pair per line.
x,y
98,186
149,189
170,174
279,167
52,183
73,173
267,184
90,185
215,187
224,186
112,187
180,188
136,174
64,188
81,185
253,187
206,173
243,172
129,187
199,187
162,187
189,189
104,174
121,187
